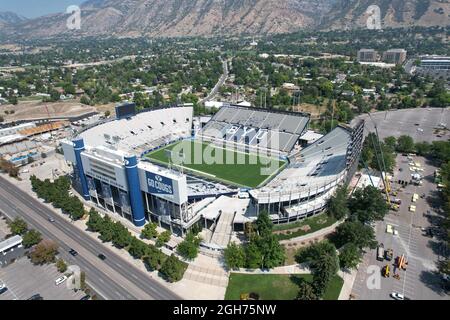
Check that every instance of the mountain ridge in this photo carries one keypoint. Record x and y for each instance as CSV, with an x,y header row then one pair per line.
x,y
177,18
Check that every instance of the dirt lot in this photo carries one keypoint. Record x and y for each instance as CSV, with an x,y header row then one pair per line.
x,y
314,110
32,110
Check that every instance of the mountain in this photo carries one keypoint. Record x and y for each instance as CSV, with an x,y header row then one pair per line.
x,y
10,18
173,18
394,13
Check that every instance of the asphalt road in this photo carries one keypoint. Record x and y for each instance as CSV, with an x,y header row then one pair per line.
x,y
219,83
113,278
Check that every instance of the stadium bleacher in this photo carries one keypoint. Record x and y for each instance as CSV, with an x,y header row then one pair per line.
x,y
317,168
256,127
142,132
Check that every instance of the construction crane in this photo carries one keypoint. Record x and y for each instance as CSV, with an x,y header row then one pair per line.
x,y
381,162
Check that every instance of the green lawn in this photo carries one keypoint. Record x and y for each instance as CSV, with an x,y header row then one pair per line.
x,y
229,166
275,286
293,230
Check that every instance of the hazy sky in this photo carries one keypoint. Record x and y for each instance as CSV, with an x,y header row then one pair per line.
x,y
36,8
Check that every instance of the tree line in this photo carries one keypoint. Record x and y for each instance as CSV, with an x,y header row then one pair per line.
x,y
170,267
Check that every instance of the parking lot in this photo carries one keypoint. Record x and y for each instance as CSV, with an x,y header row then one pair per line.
x,y
419,281
23,280
421,124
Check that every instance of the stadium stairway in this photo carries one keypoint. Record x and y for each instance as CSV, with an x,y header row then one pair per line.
x,y
224,228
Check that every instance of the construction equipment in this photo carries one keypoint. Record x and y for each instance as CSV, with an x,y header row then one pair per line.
x,y
389,254
385,271
395,207
401,262
380,161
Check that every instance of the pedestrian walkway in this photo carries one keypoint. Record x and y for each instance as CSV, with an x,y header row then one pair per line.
x,y
349,279
292,269
222,232
311,236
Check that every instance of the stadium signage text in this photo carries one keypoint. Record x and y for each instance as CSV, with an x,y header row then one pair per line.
x,y
158,184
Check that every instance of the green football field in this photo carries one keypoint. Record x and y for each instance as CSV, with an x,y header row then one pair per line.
x,y
229,166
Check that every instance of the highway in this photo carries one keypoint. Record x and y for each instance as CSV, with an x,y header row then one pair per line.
x,y
113,279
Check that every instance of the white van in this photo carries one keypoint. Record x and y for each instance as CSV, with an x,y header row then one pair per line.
x,y
60,280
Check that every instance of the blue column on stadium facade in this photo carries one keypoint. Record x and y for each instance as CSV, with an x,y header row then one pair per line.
x,y
78,147
134,190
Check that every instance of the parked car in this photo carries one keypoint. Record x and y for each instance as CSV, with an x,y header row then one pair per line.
x,y
3,290
60,280
36,297
86,297
397,296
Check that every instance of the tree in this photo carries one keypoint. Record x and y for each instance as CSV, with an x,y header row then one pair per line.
x,y
234,256
85,100
423,148
272,252
122,237
357,233
155,258
44,252
149,231
31,238
263,224
337,206
368,154
350,256
368,204
107,231
95,221
188,249
391,142
405,144
310,253
61,265
138,248
324,268
18,226
173,269
324,263
306,291
107,113
163,238
253,256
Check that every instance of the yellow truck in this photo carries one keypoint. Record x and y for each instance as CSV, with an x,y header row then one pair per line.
x,y
385,271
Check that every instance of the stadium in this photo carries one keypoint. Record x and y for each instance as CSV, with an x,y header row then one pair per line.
x,y
167,166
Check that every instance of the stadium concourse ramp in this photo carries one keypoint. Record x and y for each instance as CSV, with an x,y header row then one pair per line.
x,y
225,212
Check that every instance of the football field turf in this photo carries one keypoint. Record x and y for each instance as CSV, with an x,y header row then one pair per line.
x,y
229,166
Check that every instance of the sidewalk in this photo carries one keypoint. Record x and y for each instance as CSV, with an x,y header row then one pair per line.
x,y
349,280
211,285
292,269
310,236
